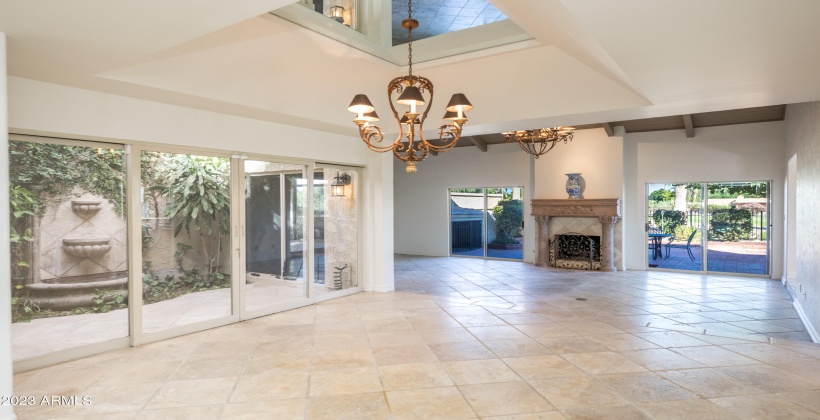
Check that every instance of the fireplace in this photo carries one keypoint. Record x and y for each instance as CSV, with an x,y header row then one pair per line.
x,y
601,216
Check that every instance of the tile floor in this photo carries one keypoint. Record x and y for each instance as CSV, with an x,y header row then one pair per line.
x,y
467,339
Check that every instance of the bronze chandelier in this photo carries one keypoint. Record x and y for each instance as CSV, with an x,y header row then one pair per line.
x,y
410,89
538,142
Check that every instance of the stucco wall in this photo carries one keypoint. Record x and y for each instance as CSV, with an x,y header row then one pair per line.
x,y
803,142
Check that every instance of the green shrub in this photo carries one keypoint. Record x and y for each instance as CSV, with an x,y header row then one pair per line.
x,y
730,225
508,216
668,220
682,233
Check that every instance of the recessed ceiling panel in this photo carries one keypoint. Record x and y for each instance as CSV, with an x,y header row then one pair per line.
x,y
437,17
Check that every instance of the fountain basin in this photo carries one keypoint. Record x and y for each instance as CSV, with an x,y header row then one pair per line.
x,y
86,247
68,296
86,207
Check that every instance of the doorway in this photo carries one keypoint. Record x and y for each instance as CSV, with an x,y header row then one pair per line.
x,y
715,227
487,222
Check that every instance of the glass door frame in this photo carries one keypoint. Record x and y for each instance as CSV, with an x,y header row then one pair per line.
x,y
704,229
102,346
485,226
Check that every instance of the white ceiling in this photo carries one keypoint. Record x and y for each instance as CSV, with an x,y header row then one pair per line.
x,y
590,61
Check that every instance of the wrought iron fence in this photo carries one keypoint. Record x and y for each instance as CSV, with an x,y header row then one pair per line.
x,y
758,232
466,235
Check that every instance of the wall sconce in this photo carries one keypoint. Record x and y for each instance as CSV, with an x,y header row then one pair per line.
x,y
337,14
337,188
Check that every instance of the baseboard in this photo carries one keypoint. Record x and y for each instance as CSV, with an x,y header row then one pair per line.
x,y
805,320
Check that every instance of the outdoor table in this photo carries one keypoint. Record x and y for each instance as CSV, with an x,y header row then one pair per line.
x,y
656,243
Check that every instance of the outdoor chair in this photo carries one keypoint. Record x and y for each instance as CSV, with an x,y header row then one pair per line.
x,y
687,246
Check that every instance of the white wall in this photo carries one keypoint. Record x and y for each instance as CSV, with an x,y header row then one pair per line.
x,y
6,378
422,205
596,156
803,142
746,152
50,108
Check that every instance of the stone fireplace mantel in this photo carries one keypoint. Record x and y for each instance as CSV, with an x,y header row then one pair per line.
x,y
607,210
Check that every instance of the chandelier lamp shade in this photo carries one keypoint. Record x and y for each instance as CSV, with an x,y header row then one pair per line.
x,y
416,93
538,142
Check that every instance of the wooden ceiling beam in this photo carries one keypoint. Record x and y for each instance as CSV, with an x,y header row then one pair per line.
x,y
433,152
687,124
610,131
479,142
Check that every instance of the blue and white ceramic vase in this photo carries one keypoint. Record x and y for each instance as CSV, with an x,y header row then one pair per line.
x,y
573,186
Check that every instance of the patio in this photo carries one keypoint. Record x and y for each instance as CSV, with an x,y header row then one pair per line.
x,y
728,257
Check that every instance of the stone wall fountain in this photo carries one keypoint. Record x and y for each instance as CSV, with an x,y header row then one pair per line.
x,y
82,253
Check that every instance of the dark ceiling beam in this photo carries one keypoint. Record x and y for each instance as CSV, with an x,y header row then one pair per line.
x,y
479,142
687,124
433,152
610,131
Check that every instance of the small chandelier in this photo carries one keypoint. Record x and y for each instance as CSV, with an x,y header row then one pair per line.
x,y
538,142
410,89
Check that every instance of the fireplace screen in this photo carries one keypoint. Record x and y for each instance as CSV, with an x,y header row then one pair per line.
x,y
575,250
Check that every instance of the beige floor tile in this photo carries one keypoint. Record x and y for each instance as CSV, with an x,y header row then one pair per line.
x,y
342,327
764,407
542,367
414,376
571,344
339,342
465,310
546,330
687,410
603,363
470,350
497,333
661,359
348,407
523,318
269,410
433,403
619,412
62,380
192,392
505,398
226,349
449,335
622,342
645,387
714,356
342,359
206,412
132,372
433,322
345,381
400,355
394,338
285,344
517,348
277,362
709,383
545,415
574,392
209,368
388,324
270,387
807,399
116,398
479,320
591,328
771,379
479,371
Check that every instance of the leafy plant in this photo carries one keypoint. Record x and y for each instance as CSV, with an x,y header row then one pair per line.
x,y
21,202
668,220
662,195
682,232
508,215
730,225
200,202
23,309
107,300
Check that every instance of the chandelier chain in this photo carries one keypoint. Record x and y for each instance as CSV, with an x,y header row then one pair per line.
x,y
410,38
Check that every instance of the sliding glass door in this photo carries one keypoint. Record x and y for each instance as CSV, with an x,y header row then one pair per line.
x,y
487,222
709,227
69,245
275,222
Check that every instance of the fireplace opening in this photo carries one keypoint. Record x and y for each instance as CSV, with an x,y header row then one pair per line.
x,y
578,247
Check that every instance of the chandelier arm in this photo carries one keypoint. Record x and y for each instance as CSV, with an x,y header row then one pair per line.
x,y
449,134
372,135
425,85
